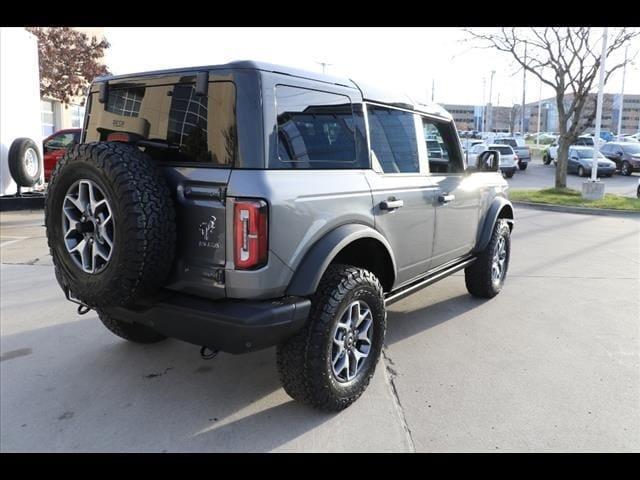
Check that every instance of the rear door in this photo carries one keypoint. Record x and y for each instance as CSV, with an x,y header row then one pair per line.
x,y
193,139
403,195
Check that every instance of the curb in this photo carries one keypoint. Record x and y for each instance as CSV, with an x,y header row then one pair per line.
x,y
31,202
584,210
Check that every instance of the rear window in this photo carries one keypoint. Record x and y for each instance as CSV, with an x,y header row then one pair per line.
x,y
170,122
503,150
508,141
318,129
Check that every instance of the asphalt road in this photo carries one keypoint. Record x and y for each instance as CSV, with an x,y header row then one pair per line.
x,y
550,364
537,175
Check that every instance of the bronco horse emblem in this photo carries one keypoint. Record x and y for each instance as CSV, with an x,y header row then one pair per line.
x,y
207,228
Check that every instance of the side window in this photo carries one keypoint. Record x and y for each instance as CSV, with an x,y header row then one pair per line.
x,y
317,130
170,122
440,139
393,139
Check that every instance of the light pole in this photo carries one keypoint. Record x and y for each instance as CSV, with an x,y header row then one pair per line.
x,y
594,190
483,126
539,113
524,84
624,72
324,65
490,98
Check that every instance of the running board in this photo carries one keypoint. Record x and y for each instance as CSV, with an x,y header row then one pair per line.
x,y
427,280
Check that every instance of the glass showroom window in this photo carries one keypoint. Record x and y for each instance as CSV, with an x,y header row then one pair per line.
x,y
77,114
46,116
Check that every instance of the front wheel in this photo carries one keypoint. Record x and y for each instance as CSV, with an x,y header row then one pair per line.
x,y
329,363
485,277
625,169
580,171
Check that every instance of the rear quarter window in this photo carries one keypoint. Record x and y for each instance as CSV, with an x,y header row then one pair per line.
x,y
317,129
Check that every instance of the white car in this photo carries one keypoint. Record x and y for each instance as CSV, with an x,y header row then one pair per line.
x,y
508,158
473,152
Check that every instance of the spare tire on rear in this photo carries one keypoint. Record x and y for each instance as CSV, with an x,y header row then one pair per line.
x,y
110,224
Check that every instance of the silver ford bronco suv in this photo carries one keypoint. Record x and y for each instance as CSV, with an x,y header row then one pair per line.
x,y
247,205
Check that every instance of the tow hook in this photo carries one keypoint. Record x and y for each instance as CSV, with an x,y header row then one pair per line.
x,y
208,353
82,309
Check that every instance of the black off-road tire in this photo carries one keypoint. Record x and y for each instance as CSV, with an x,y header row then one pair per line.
x,y
477,276
133,332
144,223
304,360
18,165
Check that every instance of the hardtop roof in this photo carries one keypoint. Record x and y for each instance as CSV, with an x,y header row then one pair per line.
x,y
369,93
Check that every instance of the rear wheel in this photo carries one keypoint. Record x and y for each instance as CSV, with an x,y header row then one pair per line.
x,y
484,278
329,363
522,165
581,171
625,168
509,174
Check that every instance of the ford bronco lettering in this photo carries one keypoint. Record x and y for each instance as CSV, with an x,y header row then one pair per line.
x,y
248,205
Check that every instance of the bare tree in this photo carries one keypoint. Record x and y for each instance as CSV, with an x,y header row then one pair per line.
x,y
69,61
566,59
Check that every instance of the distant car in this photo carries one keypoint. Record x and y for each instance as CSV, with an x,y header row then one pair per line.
x,y
434,149
474,151
56,145
522,151
626,156
581,161
551,153
508,158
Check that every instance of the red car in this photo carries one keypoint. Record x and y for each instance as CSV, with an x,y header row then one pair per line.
x,y
55,146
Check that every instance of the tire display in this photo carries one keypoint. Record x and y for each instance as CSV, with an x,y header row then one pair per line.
x,y
111,225
25,162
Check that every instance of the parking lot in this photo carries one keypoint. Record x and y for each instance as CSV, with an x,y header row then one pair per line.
x,y
538,175
551,364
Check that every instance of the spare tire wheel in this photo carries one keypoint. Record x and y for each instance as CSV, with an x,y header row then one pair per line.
x,y
110,224
25,163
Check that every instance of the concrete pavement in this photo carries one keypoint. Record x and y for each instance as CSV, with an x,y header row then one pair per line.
x,y
550,364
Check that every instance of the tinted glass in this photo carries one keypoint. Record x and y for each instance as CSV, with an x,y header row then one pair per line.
x,y
503,150
393,139
61,142
170,122
317,130
440,139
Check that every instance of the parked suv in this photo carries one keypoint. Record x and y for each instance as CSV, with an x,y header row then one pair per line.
x,y
247,205
519,147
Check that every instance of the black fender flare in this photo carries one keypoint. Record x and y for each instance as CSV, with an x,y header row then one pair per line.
x,y
307,276
493,213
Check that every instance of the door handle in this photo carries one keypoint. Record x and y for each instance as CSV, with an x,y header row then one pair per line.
x,y
446,197
391,204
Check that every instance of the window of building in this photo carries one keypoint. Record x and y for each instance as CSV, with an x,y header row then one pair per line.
x,y
77,115
47,117
393,139
318,130
125,101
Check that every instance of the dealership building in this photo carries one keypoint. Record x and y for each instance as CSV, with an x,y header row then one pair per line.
x,y
498,118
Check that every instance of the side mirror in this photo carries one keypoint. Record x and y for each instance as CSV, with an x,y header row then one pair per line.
x,y
488,161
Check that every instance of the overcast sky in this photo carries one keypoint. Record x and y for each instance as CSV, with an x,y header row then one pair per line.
x,y
408,58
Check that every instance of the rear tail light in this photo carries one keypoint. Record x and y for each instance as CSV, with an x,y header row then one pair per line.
x,y
250,234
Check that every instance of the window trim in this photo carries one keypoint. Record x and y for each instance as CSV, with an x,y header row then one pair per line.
x,y
461,157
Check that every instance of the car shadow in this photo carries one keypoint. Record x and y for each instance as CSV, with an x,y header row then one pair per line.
x,y
99,383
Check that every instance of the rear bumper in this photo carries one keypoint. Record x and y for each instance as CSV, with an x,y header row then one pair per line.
x,y
233,326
